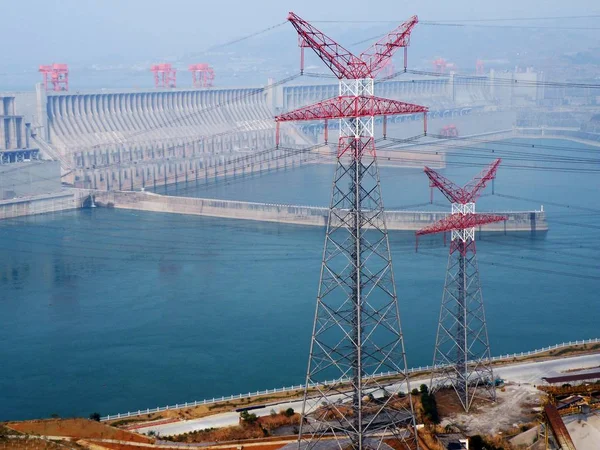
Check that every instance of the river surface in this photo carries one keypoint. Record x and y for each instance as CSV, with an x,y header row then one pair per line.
x,y
110,311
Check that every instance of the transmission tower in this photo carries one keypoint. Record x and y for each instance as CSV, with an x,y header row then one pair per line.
x,y
356,333
462,349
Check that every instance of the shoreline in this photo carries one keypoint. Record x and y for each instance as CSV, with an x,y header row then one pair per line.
x,y
224,404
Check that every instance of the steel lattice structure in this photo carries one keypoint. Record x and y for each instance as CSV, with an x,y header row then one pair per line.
x,y
357,332
462,349
57,75
165,76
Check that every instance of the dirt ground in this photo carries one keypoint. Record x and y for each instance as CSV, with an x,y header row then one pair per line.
x,y
233,446
514,406
34,443
78,428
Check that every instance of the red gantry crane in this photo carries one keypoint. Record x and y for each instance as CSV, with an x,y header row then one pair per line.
x,y
479,67
57,75
165,76
357,324
202,75
439,65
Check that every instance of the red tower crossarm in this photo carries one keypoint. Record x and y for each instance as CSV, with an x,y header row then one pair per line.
x,y
342,62
379,53
474,187
350,106
470,192
451,191
458,221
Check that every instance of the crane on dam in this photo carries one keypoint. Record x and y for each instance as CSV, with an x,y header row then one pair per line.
x,y
56,77
165,76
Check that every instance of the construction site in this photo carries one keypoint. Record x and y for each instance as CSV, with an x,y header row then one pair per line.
x,y
130,149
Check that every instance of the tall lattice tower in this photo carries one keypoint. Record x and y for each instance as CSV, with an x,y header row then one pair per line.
x,y
357,333
462,349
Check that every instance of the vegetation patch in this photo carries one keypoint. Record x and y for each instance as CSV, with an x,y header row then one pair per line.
x,y
250,427
478,442
429,405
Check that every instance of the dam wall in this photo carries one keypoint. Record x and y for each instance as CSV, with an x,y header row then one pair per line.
x,y
293,214
35,177
436,92
225,118
64,200
122,139
130,138
170,167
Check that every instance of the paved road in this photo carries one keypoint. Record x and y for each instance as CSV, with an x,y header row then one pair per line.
x,y
520,373
534,371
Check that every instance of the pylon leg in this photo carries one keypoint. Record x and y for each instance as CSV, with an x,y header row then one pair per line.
x,y
462,351
357,332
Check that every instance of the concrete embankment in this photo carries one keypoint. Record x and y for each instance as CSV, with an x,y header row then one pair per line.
x,y
293,214
42,204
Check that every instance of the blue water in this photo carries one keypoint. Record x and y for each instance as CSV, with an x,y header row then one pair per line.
x,y
109,311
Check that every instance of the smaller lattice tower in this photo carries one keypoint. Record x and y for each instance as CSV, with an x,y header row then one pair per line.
x,y
462,351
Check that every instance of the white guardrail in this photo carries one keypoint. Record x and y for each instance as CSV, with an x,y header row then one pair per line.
x,y
301,386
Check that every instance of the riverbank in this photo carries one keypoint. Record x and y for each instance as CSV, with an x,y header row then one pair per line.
x,y
517,372
207,407
64,200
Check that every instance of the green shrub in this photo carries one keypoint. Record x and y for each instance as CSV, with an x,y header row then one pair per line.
x,y
430,406
247,417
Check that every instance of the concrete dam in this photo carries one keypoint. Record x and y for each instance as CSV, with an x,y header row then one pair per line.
x,y
128,138
136,139
528,221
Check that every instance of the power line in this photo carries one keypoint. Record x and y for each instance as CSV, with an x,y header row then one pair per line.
x,y
482,80
552,203
244,38
512,143
525,27
524,268
519,156
435,21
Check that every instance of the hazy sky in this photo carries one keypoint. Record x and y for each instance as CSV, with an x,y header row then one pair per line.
x,y
39,31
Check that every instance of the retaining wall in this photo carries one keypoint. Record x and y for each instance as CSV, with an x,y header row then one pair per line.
x,y
41,204
293,214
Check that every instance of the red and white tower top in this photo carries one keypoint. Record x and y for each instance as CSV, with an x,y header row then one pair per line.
x,y
356,105
463,220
